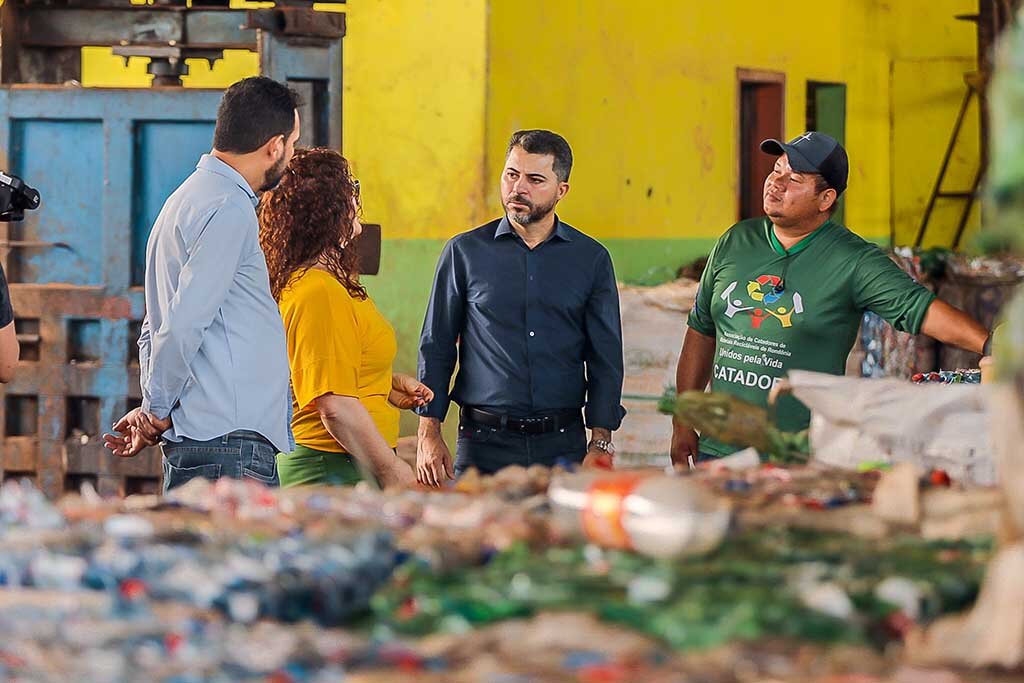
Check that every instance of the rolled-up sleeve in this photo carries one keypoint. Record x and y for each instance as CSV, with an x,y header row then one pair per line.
x,y
603,349
441,327
203,285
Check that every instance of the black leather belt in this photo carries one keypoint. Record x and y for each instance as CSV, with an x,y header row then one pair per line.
x,y
542,424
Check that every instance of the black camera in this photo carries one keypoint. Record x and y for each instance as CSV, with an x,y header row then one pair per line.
x,y
16,198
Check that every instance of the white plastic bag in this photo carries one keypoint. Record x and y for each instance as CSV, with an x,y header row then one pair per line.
x,y
854,420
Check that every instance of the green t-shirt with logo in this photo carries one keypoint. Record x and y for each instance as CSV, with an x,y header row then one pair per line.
x,y
771,310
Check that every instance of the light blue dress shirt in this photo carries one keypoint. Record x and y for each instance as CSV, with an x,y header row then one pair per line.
x,y
212,351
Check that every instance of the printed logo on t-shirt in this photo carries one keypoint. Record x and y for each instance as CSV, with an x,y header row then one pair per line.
x,y
766,301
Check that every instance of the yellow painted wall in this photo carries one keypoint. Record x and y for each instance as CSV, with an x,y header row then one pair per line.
x,y
930,54
414,112
646,93
921,131
413,107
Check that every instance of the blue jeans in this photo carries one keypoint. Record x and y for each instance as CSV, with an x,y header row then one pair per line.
x,y
236,455
489,449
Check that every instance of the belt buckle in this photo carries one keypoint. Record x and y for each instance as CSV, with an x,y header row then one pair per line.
x,y
526,423
543,423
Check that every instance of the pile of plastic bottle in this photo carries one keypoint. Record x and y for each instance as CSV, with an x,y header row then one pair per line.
x,y
328,579
130,638
887,352
233,581
948,377
23,506
808,585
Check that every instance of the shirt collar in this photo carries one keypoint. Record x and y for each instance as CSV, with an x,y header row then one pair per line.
x,y
773,240
561,230
210,163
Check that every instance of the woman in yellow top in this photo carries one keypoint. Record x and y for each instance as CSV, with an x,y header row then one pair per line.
x,y
340,347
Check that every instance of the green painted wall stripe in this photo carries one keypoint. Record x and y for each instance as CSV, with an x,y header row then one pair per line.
x,y
654,261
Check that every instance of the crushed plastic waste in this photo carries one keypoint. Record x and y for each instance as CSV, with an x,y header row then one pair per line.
x,y
822,587
948,377
233,581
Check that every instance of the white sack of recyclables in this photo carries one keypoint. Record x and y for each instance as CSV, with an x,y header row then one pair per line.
x,y
854,420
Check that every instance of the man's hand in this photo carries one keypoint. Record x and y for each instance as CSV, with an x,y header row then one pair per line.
x,y
597,457
408,392
684,445
433,459
150,426
602,460
127,444
135,431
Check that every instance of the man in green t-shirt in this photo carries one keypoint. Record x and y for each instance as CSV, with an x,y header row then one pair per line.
x,y
787,291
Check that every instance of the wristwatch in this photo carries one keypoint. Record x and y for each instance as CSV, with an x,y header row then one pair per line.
x,y
602,445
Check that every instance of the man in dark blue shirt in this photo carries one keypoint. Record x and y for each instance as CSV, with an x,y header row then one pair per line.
x,y
528,306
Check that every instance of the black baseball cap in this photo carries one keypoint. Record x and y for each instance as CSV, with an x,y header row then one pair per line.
x,y
814,152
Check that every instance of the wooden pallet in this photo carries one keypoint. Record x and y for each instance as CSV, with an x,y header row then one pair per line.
x,y
78,373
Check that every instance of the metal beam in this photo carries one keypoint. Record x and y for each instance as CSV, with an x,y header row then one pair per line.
x,y
299,22
211,29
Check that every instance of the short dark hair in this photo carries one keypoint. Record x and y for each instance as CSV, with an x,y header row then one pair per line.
x,y
545,142
253,111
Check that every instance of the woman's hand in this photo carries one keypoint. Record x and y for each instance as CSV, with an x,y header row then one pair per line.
x,y
408,392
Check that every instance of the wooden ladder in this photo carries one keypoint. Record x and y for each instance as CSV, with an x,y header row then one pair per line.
x,y
968,197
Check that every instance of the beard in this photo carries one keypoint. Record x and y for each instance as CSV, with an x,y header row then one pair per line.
x,y
273,175
533,214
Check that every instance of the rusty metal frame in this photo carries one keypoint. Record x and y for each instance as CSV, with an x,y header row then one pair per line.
x,y
41,42
294,46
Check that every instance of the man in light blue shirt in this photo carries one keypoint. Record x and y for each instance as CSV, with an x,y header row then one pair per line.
x,y
212,354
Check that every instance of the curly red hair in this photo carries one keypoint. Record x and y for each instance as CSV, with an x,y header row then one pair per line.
x,y
308,220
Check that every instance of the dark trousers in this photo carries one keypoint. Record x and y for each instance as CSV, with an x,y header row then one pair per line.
x,y
236,455
489,448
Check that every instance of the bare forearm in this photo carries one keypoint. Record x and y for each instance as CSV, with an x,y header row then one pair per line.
x,y
352,427
600,434
954,327
429,426
695,360
693,374
9,351
394,397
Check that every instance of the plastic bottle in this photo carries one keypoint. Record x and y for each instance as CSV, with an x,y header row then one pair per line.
x,y
657,515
